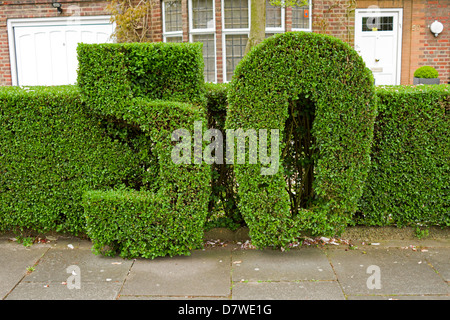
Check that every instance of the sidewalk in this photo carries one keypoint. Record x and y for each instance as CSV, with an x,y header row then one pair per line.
x,y
65,268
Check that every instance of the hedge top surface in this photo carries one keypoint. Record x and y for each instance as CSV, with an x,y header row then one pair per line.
x,y
111,75
286,66
329,73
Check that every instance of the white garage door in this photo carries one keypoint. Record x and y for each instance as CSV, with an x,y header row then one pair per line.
x,y
43,51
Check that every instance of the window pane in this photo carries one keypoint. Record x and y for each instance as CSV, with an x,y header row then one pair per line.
x,y
273,16
172,15
208,55
300,17
235,47
236,14
177,39
377,24
202,14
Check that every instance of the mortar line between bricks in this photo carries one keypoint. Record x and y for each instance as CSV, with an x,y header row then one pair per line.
x,y
125,280
335,274
21,279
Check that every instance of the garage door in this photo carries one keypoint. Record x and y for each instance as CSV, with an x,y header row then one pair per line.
x,y
43,51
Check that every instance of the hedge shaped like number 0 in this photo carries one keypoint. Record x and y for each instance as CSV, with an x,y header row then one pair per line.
x,y
328,74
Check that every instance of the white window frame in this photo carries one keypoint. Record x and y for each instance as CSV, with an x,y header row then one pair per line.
x,y
191,22
241,31
283,24
50,21
169,34
207,31
234,31
309,29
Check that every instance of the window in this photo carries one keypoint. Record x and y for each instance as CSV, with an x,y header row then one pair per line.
x,y
235,47
202,29
202,14
209,55
172,22
301,18
174,39
236,27
274,17
236,14
377,24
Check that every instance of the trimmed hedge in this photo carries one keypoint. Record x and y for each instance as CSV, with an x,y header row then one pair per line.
x,y
409,180
168,221
111,75
51,151
331,77
160,90
402,173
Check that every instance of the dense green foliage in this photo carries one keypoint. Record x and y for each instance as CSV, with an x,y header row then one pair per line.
x,y
409,180
426,72
167,221
157,88
271,85
223,209
51,151
106,146
110,76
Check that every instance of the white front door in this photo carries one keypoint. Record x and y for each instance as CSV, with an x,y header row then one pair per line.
x,y
378,41
43,51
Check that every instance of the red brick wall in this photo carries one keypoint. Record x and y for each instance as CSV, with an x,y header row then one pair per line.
x,y
156,23
426,48
334,17
219,52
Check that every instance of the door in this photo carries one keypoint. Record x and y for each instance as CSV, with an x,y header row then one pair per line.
x,y
45,51
378,41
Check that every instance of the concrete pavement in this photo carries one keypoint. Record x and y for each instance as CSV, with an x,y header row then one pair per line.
x,y
65,268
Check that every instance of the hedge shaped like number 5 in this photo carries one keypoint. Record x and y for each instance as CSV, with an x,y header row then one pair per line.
x,y
316,90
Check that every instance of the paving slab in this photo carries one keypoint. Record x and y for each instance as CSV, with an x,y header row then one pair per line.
x,y
439,258
388,271
203,273
300,290
150,297
57,291
14,260
98,277
54,265
296,264
397,297
408,270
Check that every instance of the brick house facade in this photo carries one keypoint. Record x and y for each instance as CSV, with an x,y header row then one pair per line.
x,y
226,36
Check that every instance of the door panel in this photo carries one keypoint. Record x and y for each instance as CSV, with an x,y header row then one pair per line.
x,y
377,40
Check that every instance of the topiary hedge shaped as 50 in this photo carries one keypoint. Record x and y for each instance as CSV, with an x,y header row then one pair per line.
x,y
282,77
